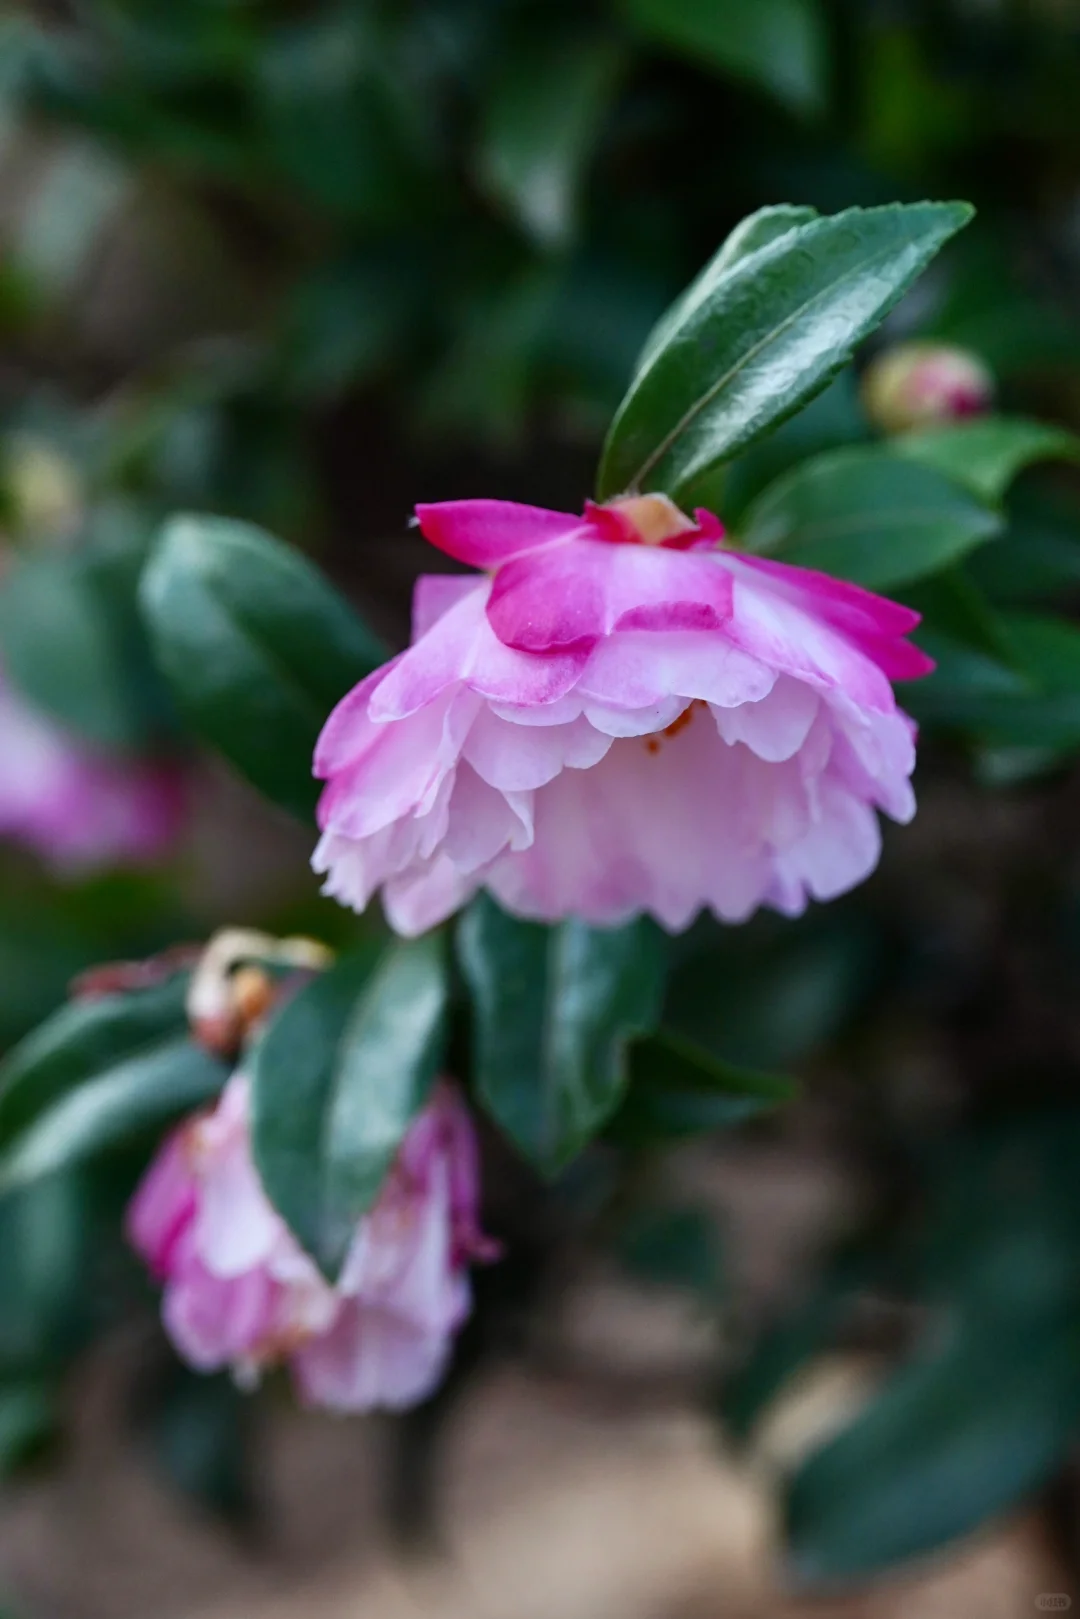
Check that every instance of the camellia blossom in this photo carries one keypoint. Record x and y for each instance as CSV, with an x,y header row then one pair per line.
x,y
77,807
619,716
240,1292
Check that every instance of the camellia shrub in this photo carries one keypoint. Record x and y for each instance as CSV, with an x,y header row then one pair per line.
x,y
604,803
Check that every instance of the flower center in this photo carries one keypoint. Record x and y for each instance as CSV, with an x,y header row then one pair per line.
x,y
653,743
653,518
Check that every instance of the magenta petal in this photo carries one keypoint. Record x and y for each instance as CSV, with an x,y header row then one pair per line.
x,y
486,533
874,624
461,648
164,1204
573,595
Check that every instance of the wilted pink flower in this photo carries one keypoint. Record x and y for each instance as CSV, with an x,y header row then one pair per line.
x,y
240,1292
621,717
80,808
920,384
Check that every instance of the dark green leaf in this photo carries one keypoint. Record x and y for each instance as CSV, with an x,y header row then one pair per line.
x,y
768,994
69,639
540,127
988,1407
113,1106
554,1009
954,1438
777,44
200,1430
757,339
1032,701
336,1080
256,645
331,122
953,604
50,1246
867,515
985,456
85,1039
756,231
677,1088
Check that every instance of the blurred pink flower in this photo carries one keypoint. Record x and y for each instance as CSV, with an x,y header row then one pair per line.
x,y
620,717
240,1292
78,807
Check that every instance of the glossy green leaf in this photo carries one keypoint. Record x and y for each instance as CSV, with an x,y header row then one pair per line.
x,y
758,230
541,123
256,645
135,1094
986,455
337,1079
867,515
678,1088
80,1042
756,340
554,1009
779,45
70,640
954,1438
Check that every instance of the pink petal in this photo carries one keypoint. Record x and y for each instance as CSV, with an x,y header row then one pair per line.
x,y
572,595
460,648
236,1228
164,1204
426,895
398,768
638,668
484,821
775,727
486,533
434,594
515,758
370,1360
874,624
782,630
213,1321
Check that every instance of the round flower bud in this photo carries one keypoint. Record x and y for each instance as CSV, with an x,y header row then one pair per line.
x,y
918,384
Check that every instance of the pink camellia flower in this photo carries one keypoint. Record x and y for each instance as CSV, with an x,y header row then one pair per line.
x,y
240,1292
619,717
77,807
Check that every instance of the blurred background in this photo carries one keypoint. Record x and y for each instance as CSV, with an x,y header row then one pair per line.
x,y
307,264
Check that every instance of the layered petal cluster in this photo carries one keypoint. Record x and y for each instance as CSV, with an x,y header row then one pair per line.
x,y
77,807
240,1292
618,716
